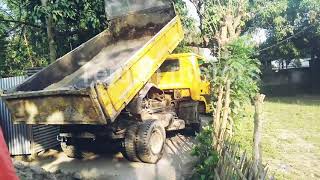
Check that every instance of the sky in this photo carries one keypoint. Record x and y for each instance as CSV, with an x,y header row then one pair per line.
x,y
2,5
192,11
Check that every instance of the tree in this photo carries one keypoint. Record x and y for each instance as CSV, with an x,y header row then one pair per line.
x,y
293,29
15,31
190,30
50,33
24,31
234,77
221,21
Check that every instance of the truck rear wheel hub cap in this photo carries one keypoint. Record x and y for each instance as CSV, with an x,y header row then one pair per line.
x,y
156,141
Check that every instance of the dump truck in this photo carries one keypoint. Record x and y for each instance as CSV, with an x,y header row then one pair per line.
x,y
123,85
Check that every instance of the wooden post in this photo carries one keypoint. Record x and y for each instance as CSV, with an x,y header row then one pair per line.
x,y
258,101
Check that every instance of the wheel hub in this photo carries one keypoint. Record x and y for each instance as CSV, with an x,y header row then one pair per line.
x,y
156,141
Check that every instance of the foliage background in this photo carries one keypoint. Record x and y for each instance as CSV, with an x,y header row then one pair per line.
x,y
291,26
23,35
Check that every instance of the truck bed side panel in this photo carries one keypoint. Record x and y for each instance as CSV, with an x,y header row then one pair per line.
x,y
56,108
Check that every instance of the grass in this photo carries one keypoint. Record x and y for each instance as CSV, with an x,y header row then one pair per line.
x,y
291,136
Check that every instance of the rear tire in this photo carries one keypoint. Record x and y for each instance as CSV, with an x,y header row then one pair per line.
x,y
150,142
129,151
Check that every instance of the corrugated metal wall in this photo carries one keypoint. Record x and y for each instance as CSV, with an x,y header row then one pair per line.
x,y
44,137
17,135
24,139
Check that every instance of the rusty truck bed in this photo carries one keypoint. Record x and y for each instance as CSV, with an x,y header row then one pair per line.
x,y
93,83
104,64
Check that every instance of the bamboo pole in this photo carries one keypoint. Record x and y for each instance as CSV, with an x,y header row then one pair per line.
x,y
225,113
258,101
216,118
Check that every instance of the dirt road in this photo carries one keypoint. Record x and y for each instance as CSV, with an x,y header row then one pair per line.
x,y
177,163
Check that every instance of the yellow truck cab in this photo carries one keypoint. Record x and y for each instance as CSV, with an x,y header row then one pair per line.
x,y
181,74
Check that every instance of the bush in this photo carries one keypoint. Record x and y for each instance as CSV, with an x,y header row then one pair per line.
x,y
236,65
208,158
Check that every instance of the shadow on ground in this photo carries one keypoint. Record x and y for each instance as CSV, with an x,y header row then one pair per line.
x,y
177,163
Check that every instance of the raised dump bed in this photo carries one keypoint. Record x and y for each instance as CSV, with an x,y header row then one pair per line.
x,y
93,83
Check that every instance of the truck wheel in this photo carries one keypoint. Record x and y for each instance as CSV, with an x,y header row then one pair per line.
x,y
129,151
70,150
150,141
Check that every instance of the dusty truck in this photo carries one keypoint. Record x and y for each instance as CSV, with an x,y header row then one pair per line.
x,y
122,85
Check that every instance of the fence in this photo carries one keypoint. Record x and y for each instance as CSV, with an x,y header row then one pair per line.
x,y
234,164
24,139
16,136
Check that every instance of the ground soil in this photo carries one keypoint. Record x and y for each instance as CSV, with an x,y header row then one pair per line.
x,y
177,163
32,172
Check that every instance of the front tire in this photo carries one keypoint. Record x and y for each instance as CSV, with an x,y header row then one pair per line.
x,y
151,138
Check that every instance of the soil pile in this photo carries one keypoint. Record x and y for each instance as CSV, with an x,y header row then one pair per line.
x,y
26,172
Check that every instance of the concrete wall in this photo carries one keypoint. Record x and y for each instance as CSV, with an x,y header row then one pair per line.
x,y
287,82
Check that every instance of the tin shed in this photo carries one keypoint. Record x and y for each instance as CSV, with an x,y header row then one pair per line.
x,y
24,139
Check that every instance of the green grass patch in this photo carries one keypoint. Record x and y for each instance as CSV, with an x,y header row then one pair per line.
x,y
291,136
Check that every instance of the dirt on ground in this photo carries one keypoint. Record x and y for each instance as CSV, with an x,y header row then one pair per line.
x,y
34,172
176,164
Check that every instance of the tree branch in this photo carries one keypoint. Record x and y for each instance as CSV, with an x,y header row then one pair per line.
x,y
8,14
6,33
200,44
22,23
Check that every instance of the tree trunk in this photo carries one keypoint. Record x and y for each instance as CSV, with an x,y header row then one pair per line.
x,y
28,49
50,34
268,66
